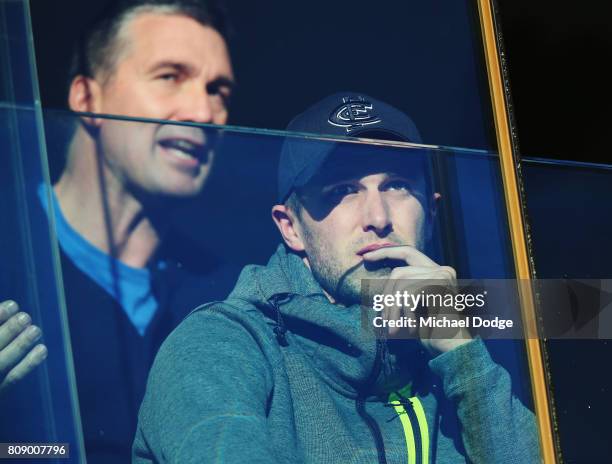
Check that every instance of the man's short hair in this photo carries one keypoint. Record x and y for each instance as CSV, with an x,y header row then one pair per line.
x,y
98,48
294,203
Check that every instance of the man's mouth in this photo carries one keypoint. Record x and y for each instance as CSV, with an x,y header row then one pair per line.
x,y
375,246
184,149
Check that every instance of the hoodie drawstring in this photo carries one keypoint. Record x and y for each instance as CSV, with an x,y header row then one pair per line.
x,y
280,330
361,399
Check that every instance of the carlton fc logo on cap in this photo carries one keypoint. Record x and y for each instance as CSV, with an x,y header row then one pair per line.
x,y
353,113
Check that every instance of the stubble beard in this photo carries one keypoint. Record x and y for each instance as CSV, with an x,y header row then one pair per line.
x,y
341,283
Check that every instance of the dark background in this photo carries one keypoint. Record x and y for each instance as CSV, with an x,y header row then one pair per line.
x,y
557,51
421,56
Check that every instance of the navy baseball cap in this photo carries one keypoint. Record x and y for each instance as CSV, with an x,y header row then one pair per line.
x,y
341,114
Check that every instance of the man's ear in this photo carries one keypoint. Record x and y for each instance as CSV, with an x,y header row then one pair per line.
x,y
288,226
85,96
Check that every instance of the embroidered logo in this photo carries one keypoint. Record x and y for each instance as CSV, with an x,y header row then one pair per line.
x,y
353,113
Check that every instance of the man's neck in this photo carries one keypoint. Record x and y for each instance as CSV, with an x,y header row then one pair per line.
x,y
101,209
329,297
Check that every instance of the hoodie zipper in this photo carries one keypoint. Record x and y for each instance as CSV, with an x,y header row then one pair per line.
x,y
279,329
417,438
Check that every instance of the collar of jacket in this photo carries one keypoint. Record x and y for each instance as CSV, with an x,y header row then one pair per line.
x,y
330,336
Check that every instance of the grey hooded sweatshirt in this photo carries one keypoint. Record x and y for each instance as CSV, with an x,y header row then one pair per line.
x,y
278,374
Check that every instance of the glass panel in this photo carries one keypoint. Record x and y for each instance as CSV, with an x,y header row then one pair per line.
x,y
424,60
17,68
43,408
228,226
570,217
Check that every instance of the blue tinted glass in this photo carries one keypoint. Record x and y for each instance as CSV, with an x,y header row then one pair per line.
x,y
570,215
224,227
42,407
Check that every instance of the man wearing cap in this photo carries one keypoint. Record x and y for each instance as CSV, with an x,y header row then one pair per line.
x,y
282,371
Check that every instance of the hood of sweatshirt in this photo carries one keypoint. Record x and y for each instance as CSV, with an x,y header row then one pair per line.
x,y
344,352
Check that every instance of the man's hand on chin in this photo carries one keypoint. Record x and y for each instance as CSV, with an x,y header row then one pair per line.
x,y
418,276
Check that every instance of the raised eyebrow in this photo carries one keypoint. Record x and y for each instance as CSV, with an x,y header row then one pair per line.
x,y
176,66
221,81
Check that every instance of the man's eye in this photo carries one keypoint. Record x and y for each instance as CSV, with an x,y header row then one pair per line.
x,y
398,184
340,190
223,92
172,77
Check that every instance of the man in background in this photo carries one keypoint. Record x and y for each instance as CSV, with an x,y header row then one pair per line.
x,y
157,59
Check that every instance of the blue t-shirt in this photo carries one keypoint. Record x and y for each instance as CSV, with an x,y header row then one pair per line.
x,y
129,286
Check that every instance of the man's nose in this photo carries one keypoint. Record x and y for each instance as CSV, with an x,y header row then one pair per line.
x,y
376,214
195,106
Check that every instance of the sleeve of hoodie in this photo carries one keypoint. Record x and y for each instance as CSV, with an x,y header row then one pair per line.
x,y
495,425
206,396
